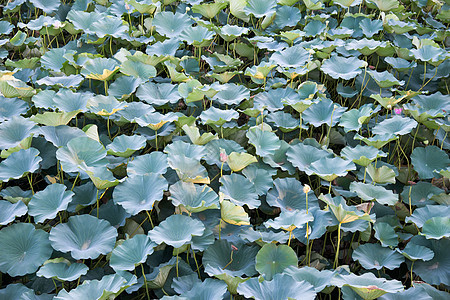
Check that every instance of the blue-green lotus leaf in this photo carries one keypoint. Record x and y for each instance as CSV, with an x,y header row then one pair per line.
x,y
114,214
339,67
72,81
330,168
368,286
314,28
10,107
138,70
169,24
261,178
289,220
231,94
279,159
378,140
182,148
202,242
9,211
284,121
436,103
185,283
62,269
436,270
218,116
396,125
265,142
282,286
123,87
158,93
217,259
176,231
19,163
23,249
135,109
436,228
60,135
317,228
264,235
365,46
139,192
239,190
108,287
212,150
362,155
47,203
66,100
260,8
422,214
131,253
207,289
125,146
193,197
323,112
55,59
292,57
165,48
197,36
100,68
385,233
14,131
21,292
400,64
109,26
272,259
302,156
14,194
155,162
412,292
44,99
288,194
318,279
371,192
104,105
230,32
155,120
352,120
84,236
6,27
428,161
384,79
80,152
415,252
374,256
48,6
370,27
188,169
274,99
430,54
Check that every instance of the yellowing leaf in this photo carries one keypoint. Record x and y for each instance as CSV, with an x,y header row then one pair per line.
x,y
238,161
233,214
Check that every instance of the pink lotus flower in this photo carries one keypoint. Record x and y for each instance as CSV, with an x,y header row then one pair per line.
x,y
398,111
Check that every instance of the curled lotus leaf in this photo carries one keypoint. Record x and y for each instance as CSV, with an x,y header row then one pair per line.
x,y
9,211
14,131
62,269
218,116
104,105
47,203
292,57
81,152
288,194
422,214
318,279
265,142
436,228
339,67
302,155
371,192
289,220
330,168
384,79
385,233
375,256
193,197
415,252
260,8
125,145
323,112
100,68
158,93
428,161
239,190
19,163
362,155
155,162
132,252
169,24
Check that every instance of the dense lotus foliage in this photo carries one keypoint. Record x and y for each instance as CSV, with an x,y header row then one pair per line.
x,y
227,149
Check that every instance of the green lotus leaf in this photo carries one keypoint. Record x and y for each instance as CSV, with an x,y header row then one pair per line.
x,y
340,67
139,192
434,271
217,259
19,163
104,105
345,214
176,231
80,152
385,233
362,155
261,179
420,194
352,120
279,159
232,94
109,26
288,195
292,57
317,228
233,214
155,162
238,161
188,169
374,256
415,252
6,27
371,192
260,8
19,291
384,79
239,190
84,236
11,87
47,203
125,146
400,64
197,36
68,101
209,10
318,279
18,39
54,118
368,286
100,68
207,289
10,108
272,259
289,220
108,287
62,269
123,87
430,54
169,24
230,32
193,197
274,99
429,161
436,228
330,168
263,236
302,156
131,253
144,6
265,142
395,125
218,116
138,70
14,131
370,27
284,121
135,109
315,27
9,211
377,141
259,73
323,112
23,249
421,215
55,59
158,93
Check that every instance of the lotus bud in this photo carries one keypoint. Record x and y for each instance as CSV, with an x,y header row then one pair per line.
x,y
188,9
223,156
127,7
398,111
311,51
306,189
389,107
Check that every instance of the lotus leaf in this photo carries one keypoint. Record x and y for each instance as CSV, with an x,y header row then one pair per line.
x,y
318,279
80,152
47,203
19,163
193,197
385,233
9,211
158,93
374,256
169,24
317,228
384,79
323,112
207,289
377,141
436,228
239,190
138,70
84,236
371,192
370,27
415,252
302,156
131,252
212,150
289,220
260,8
288,195
273,99
14,131
100,68
233,214
272,259
218,116
263,236
430,54
19,291
62,269
422,214
362,155
188,169
23,249
104,105
330,168
265,142
429,161
125,146
279,159
341,67
381,175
